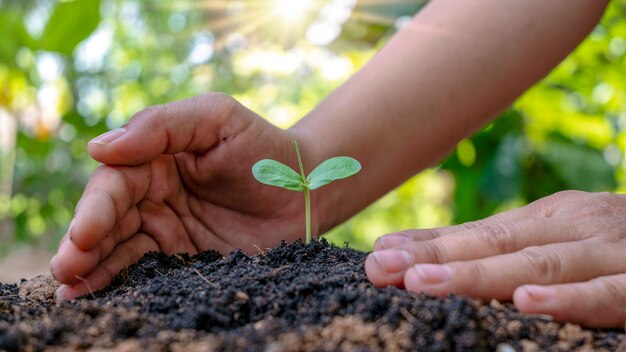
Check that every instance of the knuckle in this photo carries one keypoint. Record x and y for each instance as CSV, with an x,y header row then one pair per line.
x,y
152,109
547,265
100,169
150,112
468,226
474,272
568,194
548,206
414,235
614,288
500,238
128,184
223,104
220,97
435,251
150,118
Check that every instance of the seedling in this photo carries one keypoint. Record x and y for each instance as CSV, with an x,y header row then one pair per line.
x,y
274,173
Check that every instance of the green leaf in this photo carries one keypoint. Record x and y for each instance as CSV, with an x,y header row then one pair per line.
x,y
579,166
273,173
332,169
70,23
14,35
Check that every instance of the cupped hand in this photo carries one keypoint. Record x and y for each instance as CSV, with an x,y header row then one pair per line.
x,y
177,178
563,255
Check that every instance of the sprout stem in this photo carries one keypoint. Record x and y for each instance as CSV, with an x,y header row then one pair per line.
x,y
307,195
307,206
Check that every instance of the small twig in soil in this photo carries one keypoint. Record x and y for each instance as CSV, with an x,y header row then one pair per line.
x,y
262,252
408,316
205,279
160,273
86,284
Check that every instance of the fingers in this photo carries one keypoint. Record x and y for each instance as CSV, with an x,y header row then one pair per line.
x,y
109,195
464,242
125,254
72,261
193,125
555,263
105,216
598,303
404,237
387,267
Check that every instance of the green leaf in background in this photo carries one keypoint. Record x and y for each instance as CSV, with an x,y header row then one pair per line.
x,y
70,23
502,173
274,173
331,170
14,36
579,166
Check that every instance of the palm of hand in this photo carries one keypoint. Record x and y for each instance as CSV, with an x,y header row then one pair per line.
x,y
187,209
178,185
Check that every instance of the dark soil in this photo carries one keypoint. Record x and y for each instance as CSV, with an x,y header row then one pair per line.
x,y
293,298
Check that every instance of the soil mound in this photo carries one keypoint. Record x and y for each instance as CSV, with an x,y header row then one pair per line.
x,y
292,298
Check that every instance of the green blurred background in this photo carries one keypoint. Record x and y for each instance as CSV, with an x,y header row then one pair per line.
x,y
70,70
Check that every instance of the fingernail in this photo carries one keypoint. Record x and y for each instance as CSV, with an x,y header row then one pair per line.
x,y
393,260
391,241
539,293
433,273
108,137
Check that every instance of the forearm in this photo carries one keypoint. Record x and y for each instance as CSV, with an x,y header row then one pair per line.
x,y
453,68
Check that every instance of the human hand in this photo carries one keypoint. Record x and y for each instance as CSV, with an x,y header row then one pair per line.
x,y
177,179
563,255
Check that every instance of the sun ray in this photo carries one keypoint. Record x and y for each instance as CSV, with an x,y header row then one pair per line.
x,y
245,25
235,20
373,18
202,4
390,2
281,21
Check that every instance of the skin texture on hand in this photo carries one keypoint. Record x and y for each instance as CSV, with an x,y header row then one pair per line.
x,y
562,255
177,179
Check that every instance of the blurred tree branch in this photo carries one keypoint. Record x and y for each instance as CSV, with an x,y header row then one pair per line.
x,y
7,161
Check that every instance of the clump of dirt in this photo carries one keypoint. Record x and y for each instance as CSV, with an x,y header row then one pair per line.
x,y
296,297
40,288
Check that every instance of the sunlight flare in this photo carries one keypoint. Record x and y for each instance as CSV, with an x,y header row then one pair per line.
x,y
293,11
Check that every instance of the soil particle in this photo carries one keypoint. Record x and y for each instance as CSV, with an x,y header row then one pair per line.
x,y
40,288
293,298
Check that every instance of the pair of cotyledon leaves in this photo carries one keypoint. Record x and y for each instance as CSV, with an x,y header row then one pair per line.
x,y
274,173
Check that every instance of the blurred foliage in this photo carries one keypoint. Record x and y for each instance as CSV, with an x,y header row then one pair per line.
x,y
70,70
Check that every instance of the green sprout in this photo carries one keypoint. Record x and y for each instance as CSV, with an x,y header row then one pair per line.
x,y
274,173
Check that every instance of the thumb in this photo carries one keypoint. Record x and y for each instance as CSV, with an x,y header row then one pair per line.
x,y
192,125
